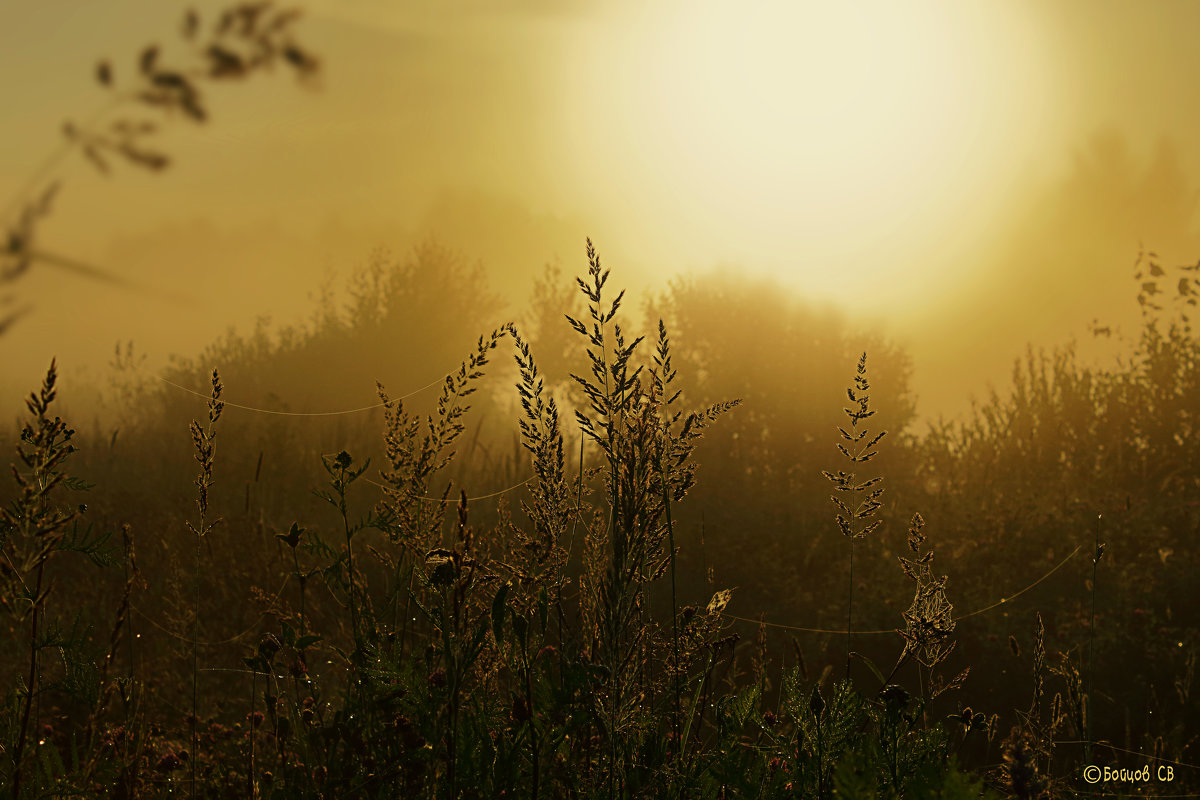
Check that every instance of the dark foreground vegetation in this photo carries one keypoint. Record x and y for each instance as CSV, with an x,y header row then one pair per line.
x,y
416,601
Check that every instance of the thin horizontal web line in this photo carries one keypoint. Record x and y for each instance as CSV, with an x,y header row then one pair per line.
x,y
449,500
1000,602
257,410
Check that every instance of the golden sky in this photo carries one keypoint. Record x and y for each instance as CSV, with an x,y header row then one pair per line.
x,y
967,176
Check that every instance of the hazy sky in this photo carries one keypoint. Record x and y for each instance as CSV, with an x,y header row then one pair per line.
x,y
970,176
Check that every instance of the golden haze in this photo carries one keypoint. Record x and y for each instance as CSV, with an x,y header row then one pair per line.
x,y
968,177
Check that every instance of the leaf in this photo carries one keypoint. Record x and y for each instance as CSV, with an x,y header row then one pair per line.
x,y
289,634
292,537
870,665
303,62
498,612
687,727
816,703
853,778
145,158
476,643
521,629
743,705
225,62
191,23
97,160
148,59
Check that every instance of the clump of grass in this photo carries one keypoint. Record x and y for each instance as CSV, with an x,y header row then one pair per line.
x,y
32,531
414,458
646,447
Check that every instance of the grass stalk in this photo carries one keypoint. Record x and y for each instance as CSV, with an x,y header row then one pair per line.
x,y
857,449
1097,553
674,599
850,609
40,527
203,441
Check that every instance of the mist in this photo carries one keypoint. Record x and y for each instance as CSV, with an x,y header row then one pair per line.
x,y
530,339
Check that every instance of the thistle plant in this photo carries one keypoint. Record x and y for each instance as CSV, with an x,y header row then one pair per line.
x,y
855,512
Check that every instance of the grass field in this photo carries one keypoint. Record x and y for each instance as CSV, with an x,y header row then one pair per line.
x,y
646,593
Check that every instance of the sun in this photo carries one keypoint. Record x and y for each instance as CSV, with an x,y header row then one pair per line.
x,y
810,136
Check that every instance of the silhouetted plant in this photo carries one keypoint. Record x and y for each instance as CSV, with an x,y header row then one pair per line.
x,y
35,529
244,39
203,439
454,658
865,496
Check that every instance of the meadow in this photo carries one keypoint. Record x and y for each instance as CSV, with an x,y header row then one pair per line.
x,y
695,561
688,545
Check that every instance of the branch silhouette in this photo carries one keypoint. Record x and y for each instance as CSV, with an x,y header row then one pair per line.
x,y
245,39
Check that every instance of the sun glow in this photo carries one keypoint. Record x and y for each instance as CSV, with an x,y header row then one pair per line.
x,y
809,138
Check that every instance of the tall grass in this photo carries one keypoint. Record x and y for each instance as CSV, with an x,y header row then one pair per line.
x,y
36,526
203,439
854,522
425,645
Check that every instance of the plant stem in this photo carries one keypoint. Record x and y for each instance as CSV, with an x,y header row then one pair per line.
x,y
1087,696
533,737
850,609
196,663
674,597
18,756
250,776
